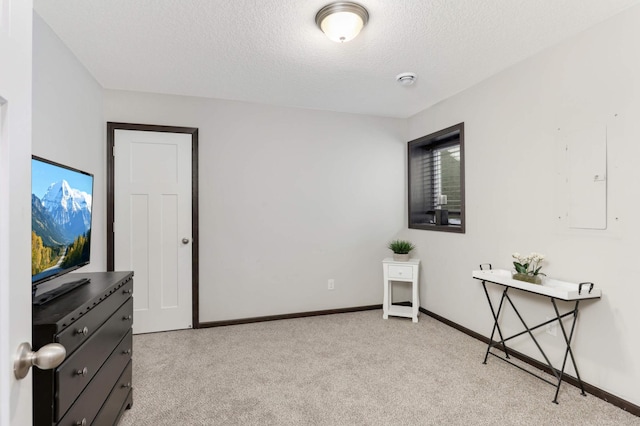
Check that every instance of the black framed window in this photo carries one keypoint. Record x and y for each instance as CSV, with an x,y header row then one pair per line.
x,y
436,180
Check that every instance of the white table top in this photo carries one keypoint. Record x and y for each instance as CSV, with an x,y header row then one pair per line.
x,y
407,262
549,287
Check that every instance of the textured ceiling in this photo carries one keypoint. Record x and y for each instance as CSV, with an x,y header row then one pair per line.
x,y
270,51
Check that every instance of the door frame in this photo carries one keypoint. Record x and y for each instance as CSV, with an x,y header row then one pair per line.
x,y
193,131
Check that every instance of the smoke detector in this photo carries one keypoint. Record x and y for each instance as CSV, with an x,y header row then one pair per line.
x,y
406,78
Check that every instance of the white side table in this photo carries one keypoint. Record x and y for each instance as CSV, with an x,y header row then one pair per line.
x,y
400,271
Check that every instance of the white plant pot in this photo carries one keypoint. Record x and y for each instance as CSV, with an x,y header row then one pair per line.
x,y
401,257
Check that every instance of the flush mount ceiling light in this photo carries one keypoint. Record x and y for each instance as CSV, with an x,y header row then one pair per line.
x,y
406,78
342,21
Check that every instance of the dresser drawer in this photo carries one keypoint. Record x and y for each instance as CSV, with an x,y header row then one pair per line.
x,y
400,272
78,370
91,399
78,332
115,404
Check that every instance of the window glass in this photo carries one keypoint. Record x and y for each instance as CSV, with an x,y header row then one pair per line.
x,y
436,180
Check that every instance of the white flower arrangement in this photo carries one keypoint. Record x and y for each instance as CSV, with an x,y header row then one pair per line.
x,y
528,265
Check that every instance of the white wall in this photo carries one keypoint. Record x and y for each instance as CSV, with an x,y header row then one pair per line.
x,y
513,160
288,199
68,123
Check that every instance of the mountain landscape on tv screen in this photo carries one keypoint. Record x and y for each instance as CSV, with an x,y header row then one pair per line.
x,y
61,229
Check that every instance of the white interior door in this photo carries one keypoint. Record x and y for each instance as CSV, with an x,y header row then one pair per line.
x,y
15,217
152,225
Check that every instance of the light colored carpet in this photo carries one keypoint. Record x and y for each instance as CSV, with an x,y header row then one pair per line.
x,y
343,369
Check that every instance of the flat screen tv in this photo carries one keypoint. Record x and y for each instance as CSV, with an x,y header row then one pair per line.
x,y
61,199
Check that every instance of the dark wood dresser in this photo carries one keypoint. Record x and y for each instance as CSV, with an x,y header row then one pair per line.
x,y
92,386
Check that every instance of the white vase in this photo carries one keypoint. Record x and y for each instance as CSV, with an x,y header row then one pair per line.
x,y
401,257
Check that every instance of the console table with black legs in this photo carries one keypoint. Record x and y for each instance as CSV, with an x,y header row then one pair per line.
x,y
554,290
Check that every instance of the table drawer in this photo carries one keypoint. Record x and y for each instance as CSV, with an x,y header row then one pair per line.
x,y
113,406
79,331
78,370
91,399
400,272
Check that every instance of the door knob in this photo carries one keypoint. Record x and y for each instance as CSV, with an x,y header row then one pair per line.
x,y
185,241
47,357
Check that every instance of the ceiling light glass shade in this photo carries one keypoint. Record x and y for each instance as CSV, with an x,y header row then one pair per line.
x,y
342,21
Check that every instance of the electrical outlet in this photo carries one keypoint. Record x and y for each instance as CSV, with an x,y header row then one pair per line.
x,y
331,284
552,327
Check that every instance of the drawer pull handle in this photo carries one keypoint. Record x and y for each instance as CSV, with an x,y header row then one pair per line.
x,y
82,372
127,352
82,422
126,385
127,318
84,331
128,291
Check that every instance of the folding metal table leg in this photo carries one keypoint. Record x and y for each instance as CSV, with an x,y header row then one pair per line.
x,y
528,330
496,325
568,351
558,373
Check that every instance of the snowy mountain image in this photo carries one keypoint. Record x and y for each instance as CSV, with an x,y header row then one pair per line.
x,y
68,208
61,229
43,225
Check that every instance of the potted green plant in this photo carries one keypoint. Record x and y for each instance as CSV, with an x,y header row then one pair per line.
x,y
401,249
528,267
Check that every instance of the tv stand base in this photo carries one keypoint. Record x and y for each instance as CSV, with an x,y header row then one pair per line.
x,y
63,289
